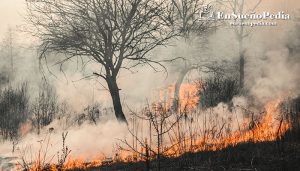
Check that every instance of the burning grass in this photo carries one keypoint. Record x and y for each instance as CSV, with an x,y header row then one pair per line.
x,y
262,129
177,137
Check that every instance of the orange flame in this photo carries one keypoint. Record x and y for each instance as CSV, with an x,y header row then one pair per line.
x,y
268,127
188,97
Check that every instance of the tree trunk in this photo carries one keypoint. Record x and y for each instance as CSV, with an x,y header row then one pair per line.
x,y
177,88
241,37
242,57
158,151
242,70
115,95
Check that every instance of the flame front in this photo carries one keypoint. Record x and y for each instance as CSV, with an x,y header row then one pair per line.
x,y
268,126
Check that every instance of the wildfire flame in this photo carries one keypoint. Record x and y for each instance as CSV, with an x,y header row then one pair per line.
x,y
269,126
188,97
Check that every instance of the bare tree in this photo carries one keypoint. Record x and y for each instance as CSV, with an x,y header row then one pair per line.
x,y
116,34
45,106
9,46
186,18
161,121
240,7
8,52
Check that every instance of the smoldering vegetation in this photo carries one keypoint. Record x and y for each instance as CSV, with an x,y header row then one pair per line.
x,y
185,104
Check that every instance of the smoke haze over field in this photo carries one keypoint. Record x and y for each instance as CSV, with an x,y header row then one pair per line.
x,y
222,45
271,72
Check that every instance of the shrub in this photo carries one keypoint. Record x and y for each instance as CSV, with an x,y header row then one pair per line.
x,y
217,89
13,110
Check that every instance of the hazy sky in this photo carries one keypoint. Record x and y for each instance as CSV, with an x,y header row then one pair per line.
x,y
11,11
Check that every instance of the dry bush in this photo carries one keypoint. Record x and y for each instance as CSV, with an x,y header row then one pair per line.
x,y
43,160
45,106
13,111
217,89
